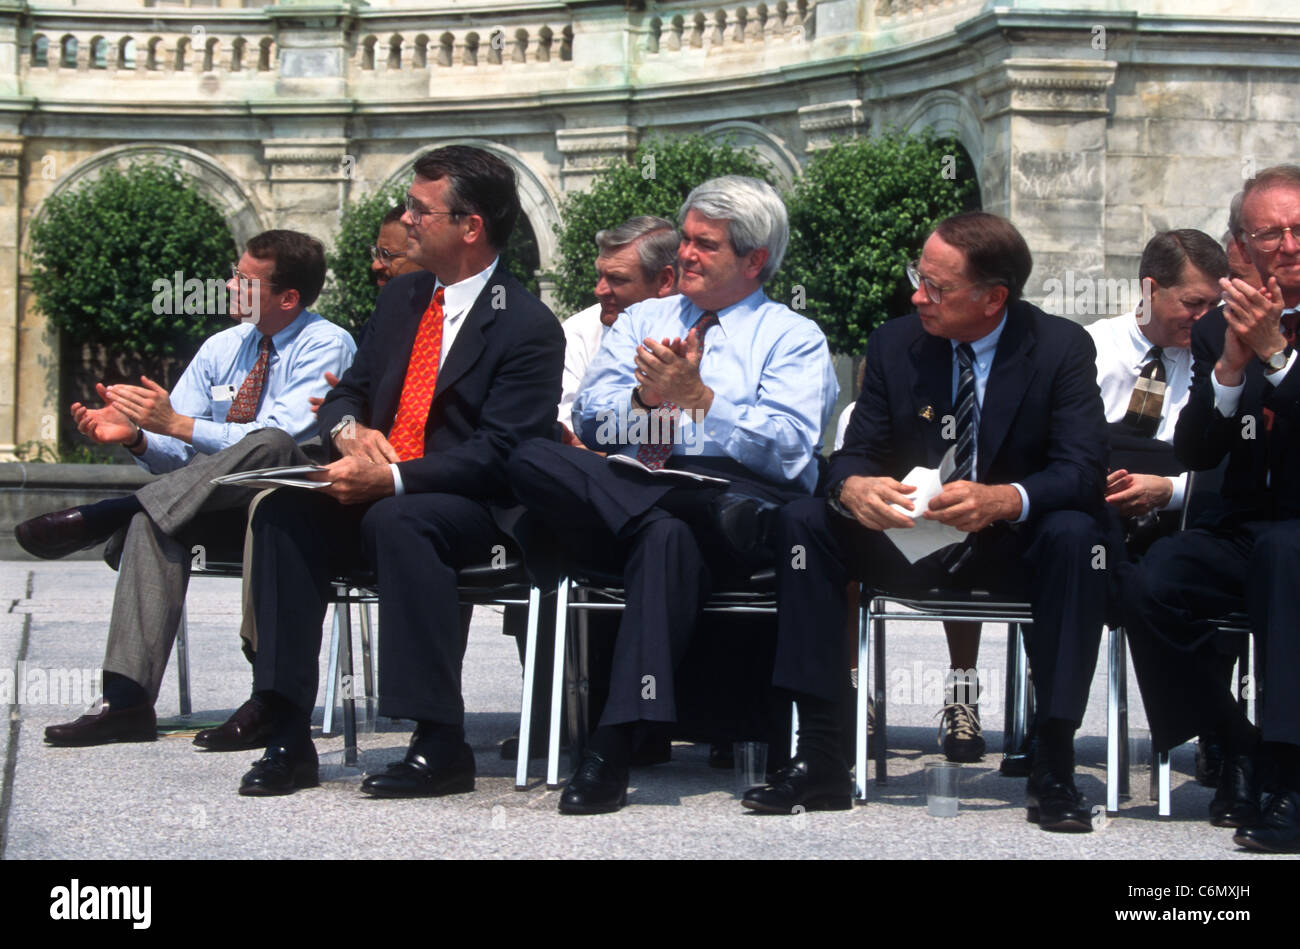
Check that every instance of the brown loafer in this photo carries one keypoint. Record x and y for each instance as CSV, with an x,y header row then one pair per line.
x,y
249,727
57,534
138,723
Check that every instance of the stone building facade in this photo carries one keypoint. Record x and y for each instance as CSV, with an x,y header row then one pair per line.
x,y
1090,128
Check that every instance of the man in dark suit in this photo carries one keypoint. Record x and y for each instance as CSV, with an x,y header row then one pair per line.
x,y
1013,392
454,371
1245,553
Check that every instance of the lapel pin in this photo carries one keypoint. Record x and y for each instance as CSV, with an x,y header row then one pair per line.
x,y
927,413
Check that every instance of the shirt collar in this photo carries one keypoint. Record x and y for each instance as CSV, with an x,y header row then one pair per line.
x,y
1142,346
985,346
729,317
280,340
457,298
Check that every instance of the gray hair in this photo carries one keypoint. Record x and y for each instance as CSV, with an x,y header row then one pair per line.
x,y
656,242
1285,175
754,212
1234,216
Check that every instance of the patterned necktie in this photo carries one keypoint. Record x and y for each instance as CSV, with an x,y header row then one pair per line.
x,y
1148,400
663,419
1289,320
244,408
967,417
407,435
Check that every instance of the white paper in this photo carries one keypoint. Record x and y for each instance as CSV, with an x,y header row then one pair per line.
x,y
672,474
291,476
926,536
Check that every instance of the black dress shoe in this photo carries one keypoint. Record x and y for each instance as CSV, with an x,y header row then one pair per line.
x,y
1236,797
1209,761
249,727
138,723
597,787
1278,829
57,534
417,776
1056,805
1020,763
797,785
281,771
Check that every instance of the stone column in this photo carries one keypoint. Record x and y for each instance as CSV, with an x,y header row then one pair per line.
x,y
11,151
1045,165
823,123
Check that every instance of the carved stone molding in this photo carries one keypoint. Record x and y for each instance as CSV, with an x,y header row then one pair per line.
x,y
821,124
1075,87
307,159
585,150
11,156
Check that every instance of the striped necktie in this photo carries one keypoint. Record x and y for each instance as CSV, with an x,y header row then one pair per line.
x,y
967,416
663,419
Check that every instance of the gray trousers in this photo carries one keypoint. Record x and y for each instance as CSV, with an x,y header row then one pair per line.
x,y
155,567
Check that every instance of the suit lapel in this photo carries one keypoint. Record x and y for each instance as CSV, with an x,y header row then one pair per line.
x,y
932,394
1008,381
469,342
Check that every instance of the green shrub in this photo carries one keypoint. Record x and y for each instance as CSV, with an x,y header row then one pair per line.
x,y
859,213
98,249
660,175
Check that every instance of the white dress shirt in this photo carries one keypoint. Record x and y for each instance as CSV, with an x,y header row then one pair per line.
x,y
1122,351
583,334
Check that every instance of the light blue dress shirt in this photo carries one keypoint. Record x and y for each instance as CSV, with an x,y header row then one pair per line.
x,y
301,354
985,349
770,372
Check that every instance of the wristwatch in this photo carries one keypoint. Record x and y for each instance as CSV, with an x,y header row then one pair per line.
x,y
834,502
339,427
1278,360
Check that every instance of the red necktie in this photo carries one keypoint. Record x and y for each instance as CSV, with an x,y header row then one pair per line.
x,y
244,408
663,418
407,435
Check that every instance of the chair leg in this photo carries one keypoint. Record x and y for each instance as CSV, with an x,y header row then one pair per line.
x,y
368,668
349,687
1161,773
332,674
864,667
1017,698
1115,643
878,677
183,662
794,730
557,681
530,674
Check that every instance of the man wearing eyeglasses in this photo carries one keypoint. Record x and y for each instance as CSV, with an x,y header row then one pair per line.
x,y
1244,553
453,371
242,403
388,253
1012,392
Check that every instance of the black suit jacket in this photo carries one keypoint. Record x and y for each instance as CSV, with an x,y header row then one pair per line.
x,y
1042,422
1203,437
498,384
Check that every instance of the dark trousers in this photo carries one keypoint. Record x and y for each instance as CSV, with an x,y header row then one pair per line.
x,y
657,536
1170,599
415,544
1059,561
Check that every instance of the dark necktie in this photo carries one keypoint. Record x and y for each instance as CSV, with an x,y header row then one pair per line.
x,y
1147,403
663,419
967,417
1289,320
244,408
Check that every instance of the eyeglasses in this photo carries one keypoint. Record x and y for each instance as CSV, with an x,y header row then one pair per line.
x,y
384,256
243,278
1270,238
932,290
417,210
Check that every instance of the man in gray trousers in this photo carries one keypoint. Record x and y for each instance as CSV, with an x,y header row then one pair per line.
x,y
242,403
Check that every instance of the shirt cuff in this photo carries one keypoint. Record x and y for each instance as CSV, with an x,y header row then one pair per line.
x,y
1276,378
1180,489
718,426
1024,504
208,436
398,488
1226,398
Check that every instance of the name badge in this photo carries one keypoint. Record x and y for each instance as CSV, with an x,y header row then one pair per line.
x,y
224,393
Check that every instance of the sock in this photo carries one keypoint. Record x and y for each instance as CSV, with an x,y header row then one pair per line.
x,y
122,693
290,724
437,741
1056,748
1286,758
105,517
819,732
614,742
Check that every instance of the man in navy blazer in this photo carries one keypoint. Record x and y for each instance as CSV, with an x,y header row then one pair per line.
x,y
453,372
1242,554
1035,444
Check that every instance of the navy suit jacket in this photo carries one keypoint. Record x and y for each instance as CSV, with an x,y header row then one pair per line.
x,y
1203,437
498,384
1042,422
